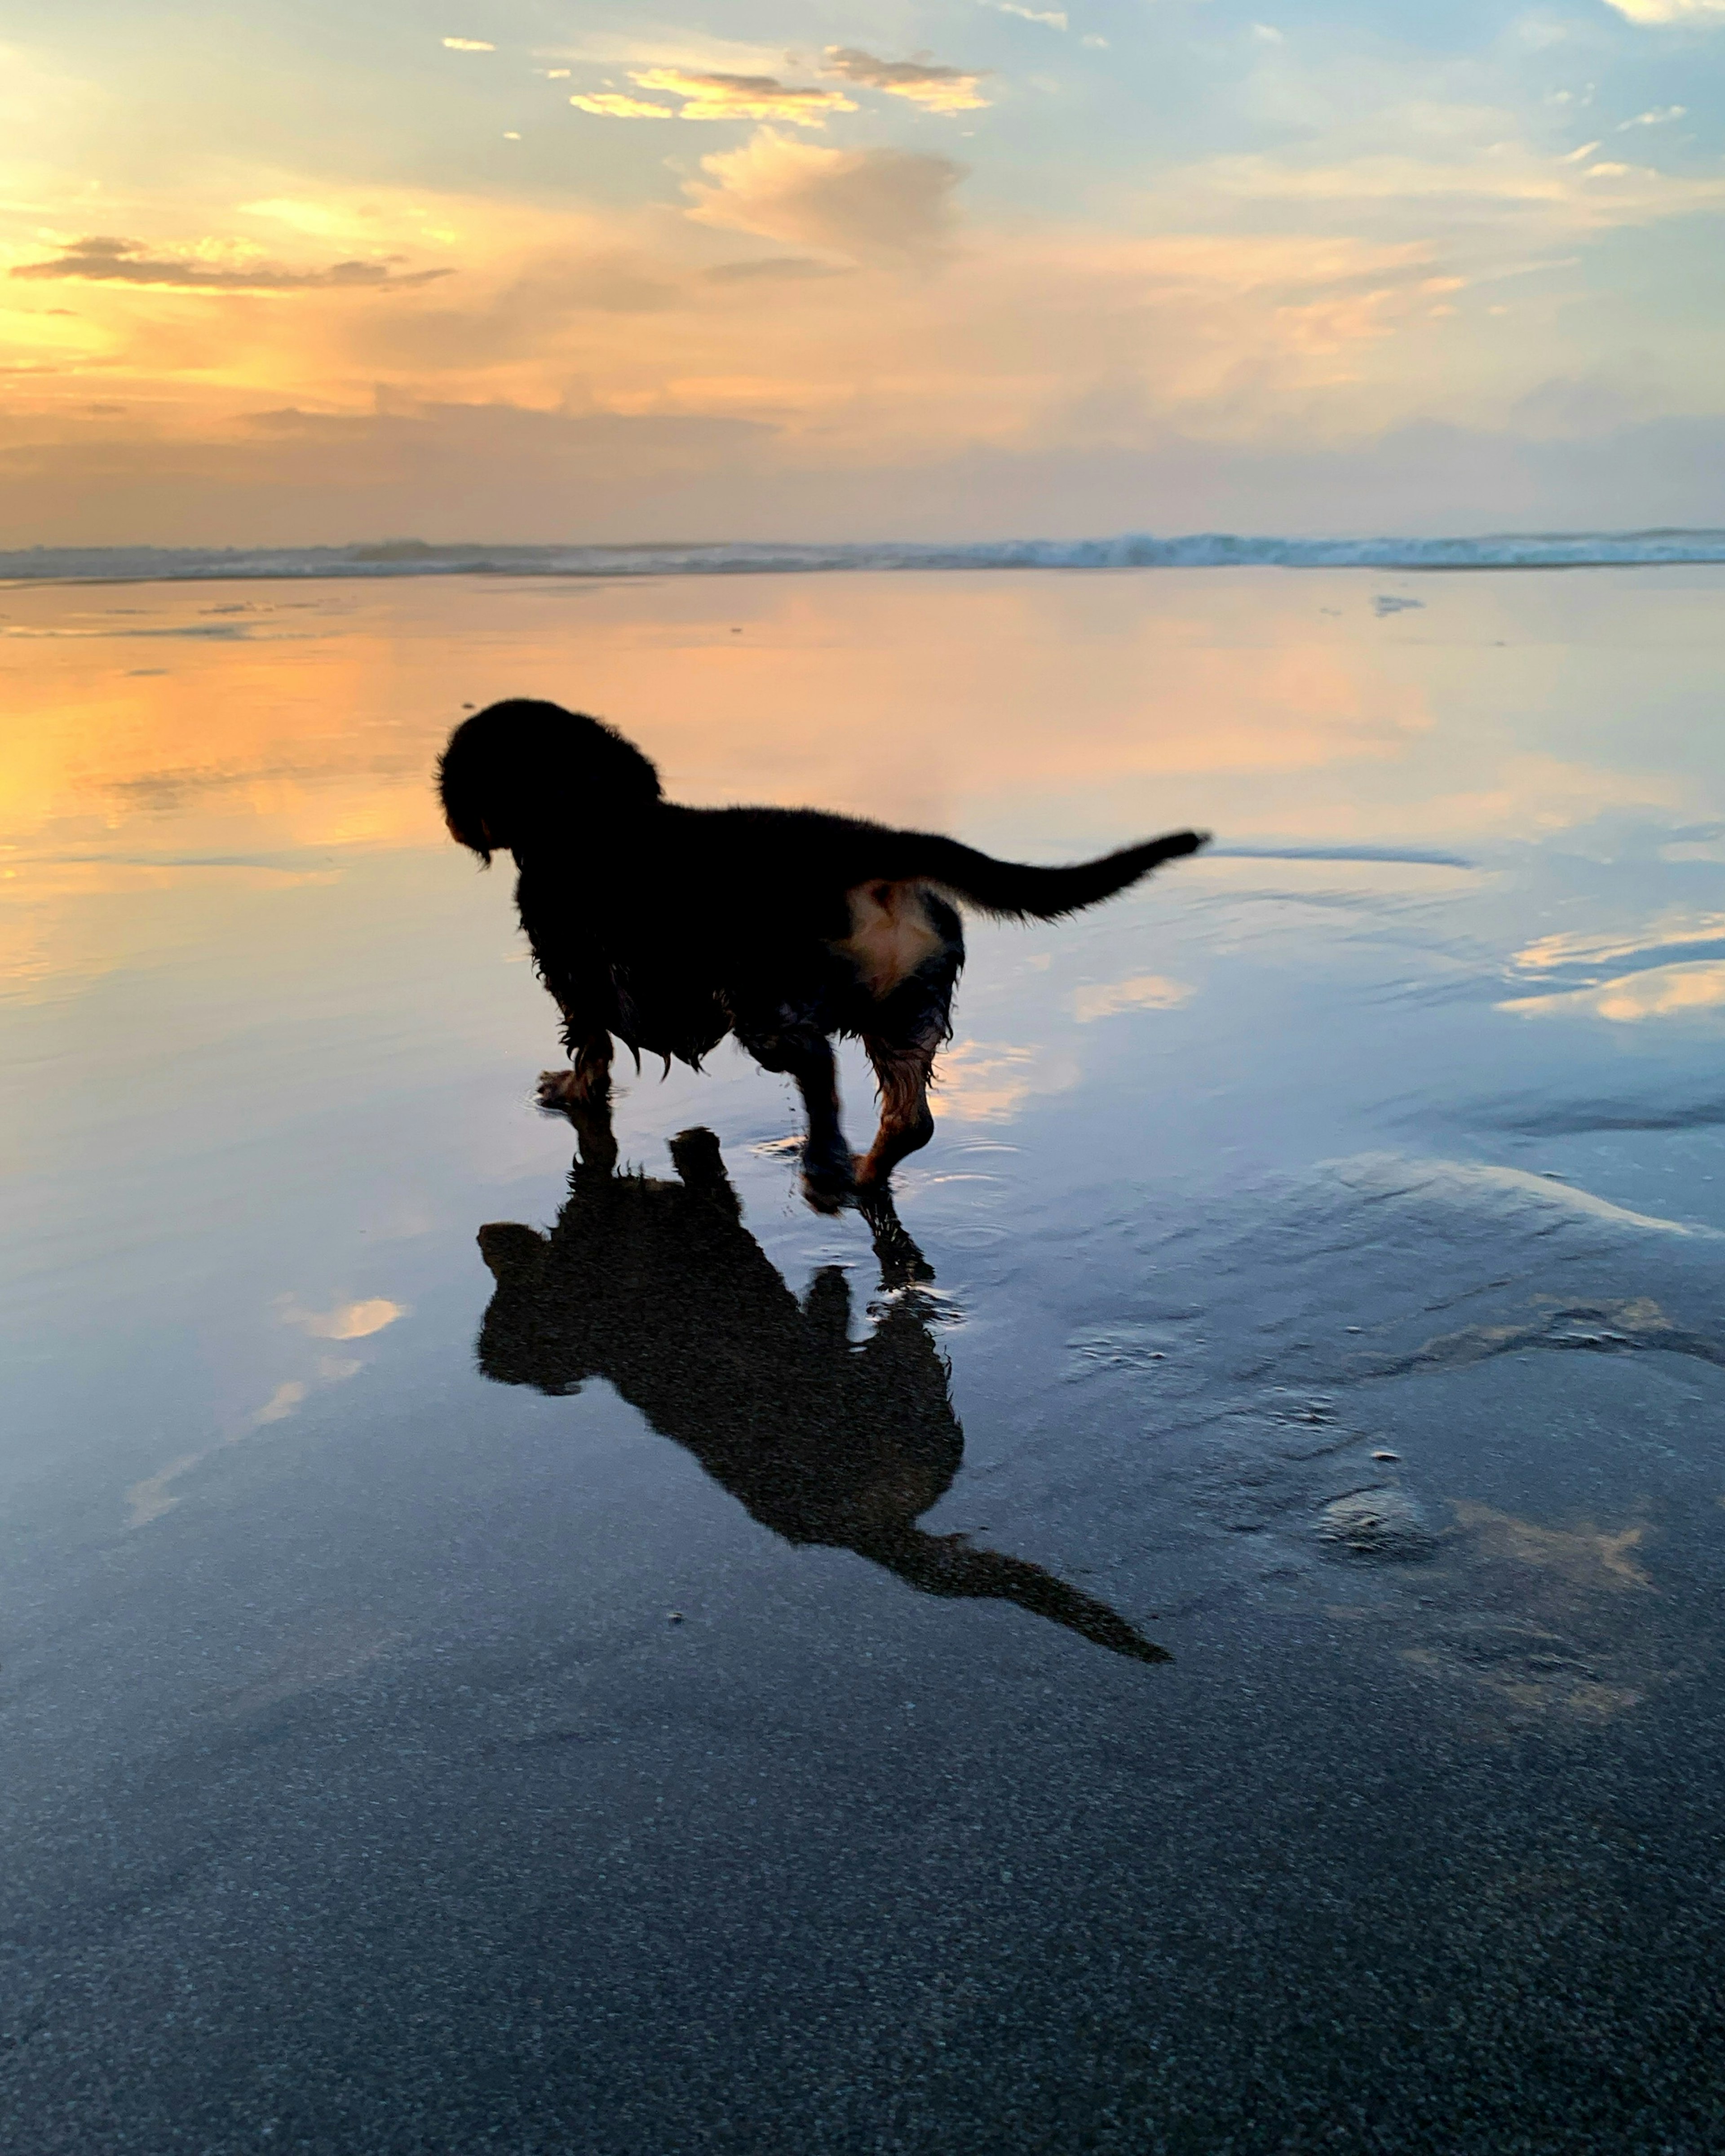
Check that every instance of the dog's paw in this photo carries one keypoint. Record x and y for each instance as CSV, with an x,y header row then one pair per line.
x,y
872,1184
827,1184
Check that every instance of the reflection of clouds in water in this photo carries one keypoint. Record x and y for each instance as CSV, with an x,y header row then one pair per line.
x,y
1587,1556
1142,991
150,1499
35,965
327,742
1582,947
279,1405
1399,1180
348,1320
49,943
347,720
276,744
988,1080
1528,798
1532,1621
1660,991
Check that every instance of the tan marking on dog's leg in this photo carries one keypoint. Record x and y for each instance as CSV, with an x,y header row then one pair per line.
x,y
906,1125
891,934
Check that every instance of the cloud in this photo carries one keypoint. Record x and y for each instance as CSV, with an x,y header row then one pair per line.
x,y
858,202
613,104
716,96
107,260
616,365
1662,12
1458,162
916,469
937,89
1055,18
1658,116
469,45
789,269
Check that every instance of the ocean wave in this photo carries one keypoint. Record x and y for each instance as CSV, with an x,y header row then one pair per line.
x,y
1132,550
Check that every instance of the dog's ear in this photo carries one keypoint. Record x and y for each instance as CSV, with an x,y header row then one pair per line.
x,y
462,779
523,769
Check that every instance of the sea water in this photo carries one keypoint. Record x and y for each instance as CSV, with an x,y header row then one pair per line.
x,y
1325,1242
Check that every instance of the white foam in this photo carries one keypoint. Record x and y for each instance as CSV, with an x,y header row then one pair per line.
x,y
414,557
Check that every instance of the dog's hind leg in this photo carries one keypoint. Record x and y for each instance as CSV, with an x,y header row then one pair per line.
x,y
902,1264
803,1052
905,1032
902,1070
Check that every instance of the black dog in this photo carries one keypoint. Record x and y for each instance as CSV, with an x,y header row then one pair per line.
x,y
667,927
661,1289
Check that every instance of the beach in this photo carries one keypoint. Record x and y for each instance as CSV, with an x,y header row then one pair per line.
x,y
1324,1243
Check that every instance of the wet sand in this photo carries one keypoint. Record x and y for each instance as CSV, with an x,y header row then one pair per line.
x,y
1226,1663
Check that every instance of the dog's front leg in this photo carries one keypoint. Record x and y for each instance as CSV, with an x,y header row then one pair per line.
x,y
588,1078
582,1093
803,1051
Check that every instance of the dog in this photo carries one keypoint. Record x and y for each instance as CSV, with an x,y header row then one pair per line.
x,y
657,1288
667,927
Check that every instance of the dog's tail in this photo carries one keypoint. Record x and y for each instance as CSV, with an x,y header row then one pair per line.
x,y
1015,891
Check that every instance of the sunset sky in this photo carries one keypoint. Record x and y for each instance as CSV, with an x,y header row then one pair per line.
x,y
928,268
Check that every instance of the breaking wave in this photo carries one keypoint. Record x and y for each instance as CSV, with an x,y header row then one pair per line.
x,y
1135,550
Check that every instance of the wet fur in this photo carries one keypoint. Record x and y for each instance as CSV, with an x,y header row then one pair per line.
x,y
666,927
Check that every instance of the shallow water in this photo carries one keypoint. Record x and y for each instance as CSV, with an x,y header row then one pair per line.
x,y
1325,1242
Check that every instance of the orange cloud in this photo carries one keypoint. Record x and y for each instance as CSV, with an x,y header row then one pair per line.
x,y
856,202
1658,12
937,88
103,260
716,96
613,104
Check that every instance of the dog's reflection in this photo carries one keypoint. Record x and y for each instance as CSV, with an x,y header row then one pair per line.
x,y
658,1287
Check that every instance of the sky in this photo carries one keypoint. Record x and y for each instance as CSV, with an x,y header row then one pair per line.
x,y
929,268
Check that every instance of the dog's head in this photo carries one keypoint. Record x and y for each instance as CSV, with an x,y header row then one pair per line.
x,y
523,769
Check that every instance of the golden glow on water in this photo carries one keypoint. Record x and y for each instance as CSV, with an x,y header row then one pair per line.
x,y
202,716
170,749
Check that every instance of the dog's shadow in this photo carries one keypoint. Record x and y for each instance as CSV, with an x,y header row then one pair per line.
x,y
658,1287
